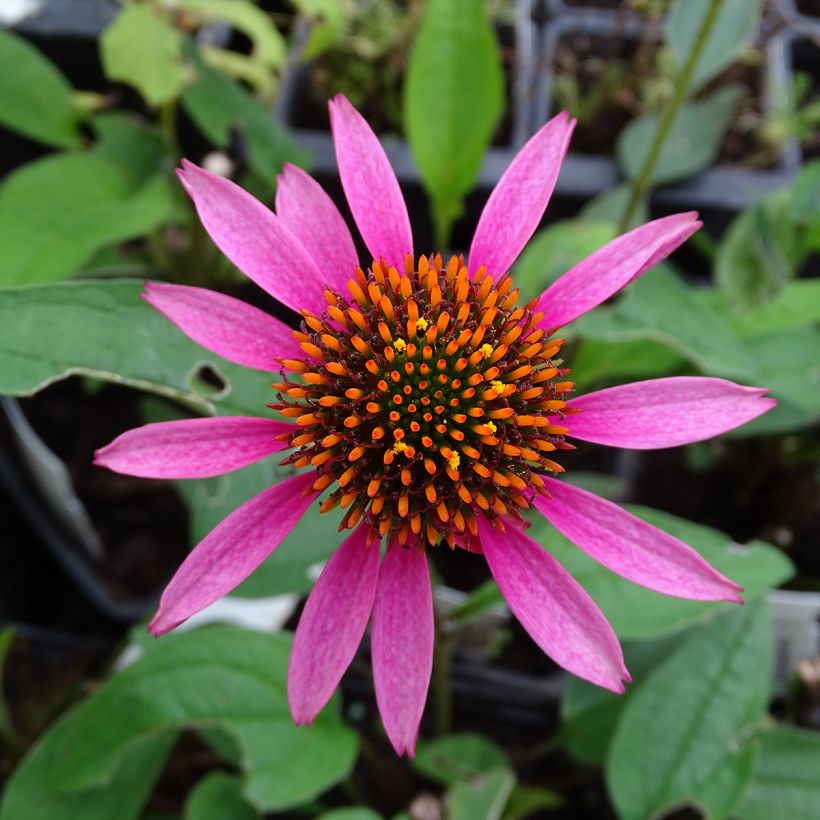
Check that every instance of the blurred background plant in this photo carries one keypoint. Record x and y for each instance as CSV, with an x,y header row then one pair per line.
x,y
99,721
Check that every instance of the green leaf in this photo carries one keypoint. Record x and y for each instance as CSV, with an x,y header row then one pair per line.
x,y
661,307
268,46
105,330
142,49
759,254
135,147
453,758
215,676
216,797
693,142
734,28
481,799
785,779
453,98
526,800
37,99
350,813
219,106
120,796
556,249
767,244
610,205
312,541
55,213
679,740
596,361
637,613
590,714
796,305
7,732
327,25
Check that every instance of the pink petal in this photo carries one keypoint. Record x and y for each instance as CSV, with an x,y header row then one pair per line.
x,y
226,326
613,267
303,205
665,412
632,548
193,448
370,185
233,550
402,644
260,244
553,607
332,625
518,202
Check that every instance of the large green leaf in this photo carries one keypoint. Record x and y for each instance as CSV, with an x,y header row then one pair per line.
x,y
637,613
796,305
680,739
219,106
733,29
554,250
661,307
598,361
452,758
36,98
693,141
215,676
142,49
55,213
120,796
105,330
590,714
453,98
767,244
483,798
218,796
312,541
785,779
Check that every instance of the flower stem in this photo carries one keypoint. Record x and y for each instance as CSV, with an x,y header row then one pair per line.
x,y
642,181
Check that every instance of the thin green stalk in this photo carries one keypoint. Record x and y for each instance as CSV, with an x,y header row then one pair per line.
x,y
641,184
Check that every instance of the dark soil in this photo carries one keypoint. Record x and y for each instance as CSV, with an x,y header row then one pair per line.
x,y
142,523
809,7
375,88
616,69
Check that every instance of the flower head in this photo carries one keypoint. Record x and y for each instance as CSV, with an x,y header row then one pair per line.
x,y
424,400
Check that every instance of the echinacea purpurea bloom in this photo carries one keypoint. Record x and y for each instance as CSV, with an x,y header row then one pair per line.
x,y
431,407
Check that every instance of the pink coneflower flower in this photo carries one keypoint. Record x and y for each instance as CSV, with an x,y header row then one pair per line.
x,y
429,406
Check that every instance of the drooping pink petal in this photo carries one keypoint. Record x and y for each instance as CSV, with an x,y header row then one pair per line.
x,y
193,448
402,644
332,624
553,607
518,202
260,244
370,185
226,326
631,547
303,205
613,267
233,550
665,412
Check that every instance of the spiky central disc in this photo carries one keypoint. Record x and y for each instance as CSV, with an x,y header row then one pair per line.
x,y
425,396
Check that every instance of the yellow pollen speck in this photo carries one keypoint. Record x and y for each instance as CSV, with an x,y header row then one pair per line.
x,y
486,350
490,426
400,345
498,386
421,323
399,447
454,460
